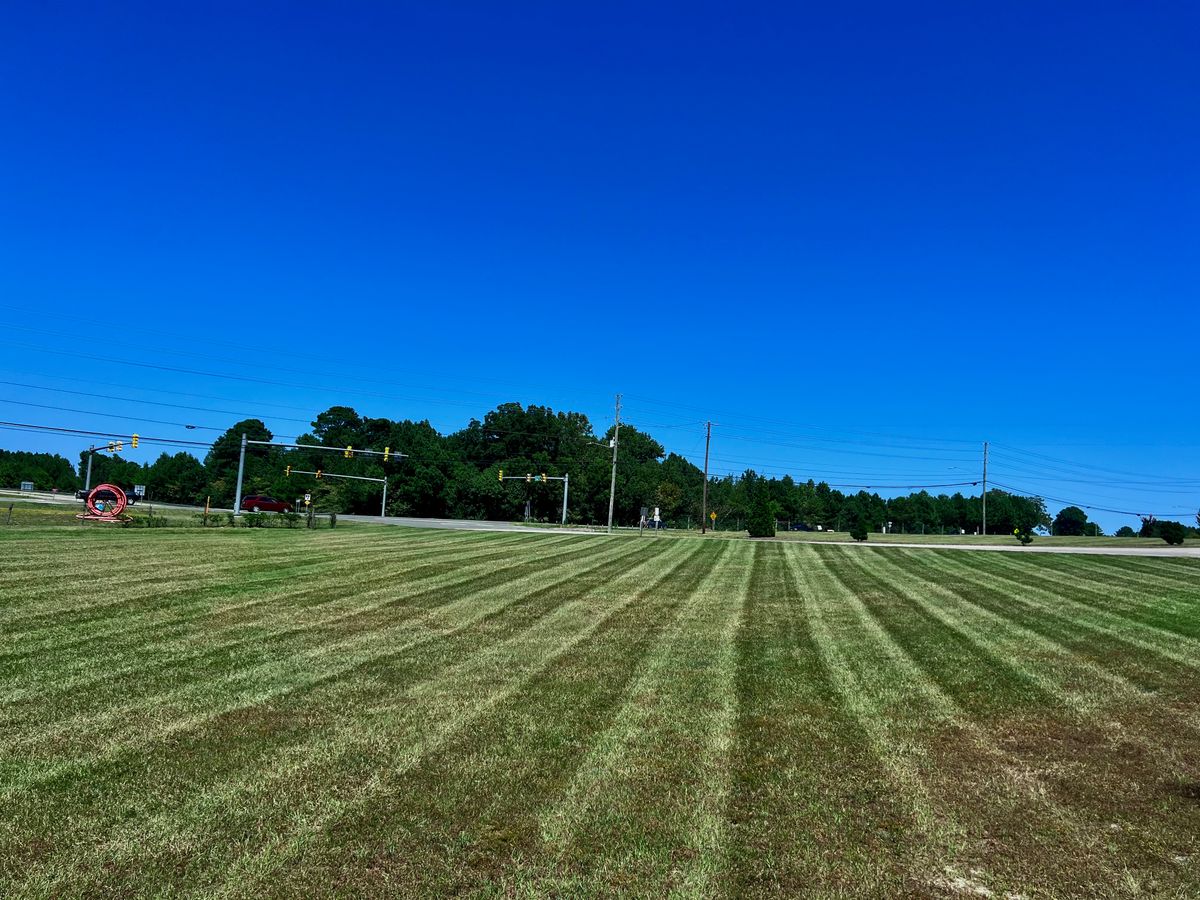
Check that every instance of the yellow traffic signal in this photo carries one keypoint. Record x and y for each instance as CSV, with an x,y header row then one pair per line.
x,y
528,478
543,477
320,472
501,477
288,473
386,452
112,448
120,446
135,442
349,452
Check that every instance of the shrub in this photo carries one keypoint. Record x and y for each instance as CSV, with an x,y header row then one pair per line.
x,y
1126,531
290,519
254,520
858,530
1024,535
761,522
150,520
1172,532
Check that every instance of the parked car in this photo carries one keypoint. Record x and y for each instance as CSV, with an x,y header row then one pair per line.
x,y
263,503
107,495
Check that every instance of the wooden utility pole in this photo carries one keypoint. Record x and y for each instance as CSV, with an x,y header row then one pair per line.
x,y
985,443
612,486
704,502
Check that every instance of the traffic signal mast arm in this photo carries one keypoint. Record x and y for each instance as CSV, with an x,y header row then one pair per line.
x,y
320,473
386,453
529,477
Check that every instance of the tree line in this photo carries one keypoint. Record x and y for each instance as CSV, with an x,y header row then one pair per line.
x,y
457,476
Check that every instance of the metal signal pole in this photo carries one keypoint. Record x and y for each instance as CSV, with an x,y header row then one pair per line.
x,y
87,484
985,443
612,485
704,502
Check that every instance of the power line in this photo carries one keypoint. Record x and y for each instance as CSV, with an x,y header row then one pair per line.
x,y
57,429
1082,505
207,409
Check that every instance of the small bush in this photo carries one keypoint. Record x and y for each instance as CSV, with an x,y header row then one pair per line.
x,y
254,520
1024,535
150,520
1172,532
290,519
858,530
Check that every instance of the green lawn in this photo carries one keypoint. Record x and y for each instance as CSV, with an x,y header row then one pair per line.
x,y
393,712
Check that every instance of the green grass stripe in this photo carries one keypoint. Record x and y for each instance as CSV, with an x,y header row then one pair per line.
x,y
672,727
192,703
812,811
1095,617
131,785
1103,655
485,785
1170,609
962,785
891,698
981,681
178,616
943,585
434,704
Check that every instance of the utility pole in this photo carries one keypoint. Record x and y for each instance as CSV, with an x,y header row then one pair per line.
x,y
566,487
87,484
985,443
704,502
237,501
612,486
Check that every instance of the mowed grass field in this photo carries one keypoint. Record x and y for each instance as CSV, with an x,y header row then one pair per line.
x,y
389,712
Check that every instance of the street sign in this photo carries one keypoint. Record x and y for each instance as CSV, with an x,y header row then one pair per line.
x,y
307,499
713,515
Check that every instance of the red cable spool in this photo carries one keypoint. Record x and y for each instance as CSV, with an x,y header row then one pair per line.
x,y
106,502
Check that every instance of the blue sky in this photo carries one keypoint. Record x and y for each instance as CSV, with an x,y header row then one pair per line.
x,y
862,237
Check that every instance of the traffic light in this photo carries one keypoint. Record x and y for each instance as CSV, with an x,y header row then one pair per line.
x,y
320,473
112,447
120,446
502,476
288,473
528,478
543,478
349,452
387,451
135,442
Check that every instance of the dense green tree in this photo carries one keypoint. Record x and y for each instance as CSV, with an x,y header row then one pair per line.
x,y
1125,531
1070,521
178,478
47,471
1172,532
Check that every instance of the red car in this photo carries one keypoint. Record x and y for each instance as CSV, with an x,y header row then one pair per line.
x,y
263,503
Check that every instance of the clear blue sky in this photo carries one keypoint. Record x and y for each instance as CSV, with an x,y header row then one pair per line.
x,y
829,227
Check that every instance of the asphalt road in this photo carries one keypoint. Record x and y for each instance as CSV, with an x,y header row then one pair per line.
x,y
1192,552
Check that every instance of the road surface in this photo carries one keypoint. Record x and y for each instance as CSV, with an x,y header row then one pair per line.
x,y
1188,552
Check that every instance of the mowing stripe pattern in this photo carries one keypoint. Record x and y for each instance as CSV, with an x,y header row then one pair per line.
x,y
386,712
